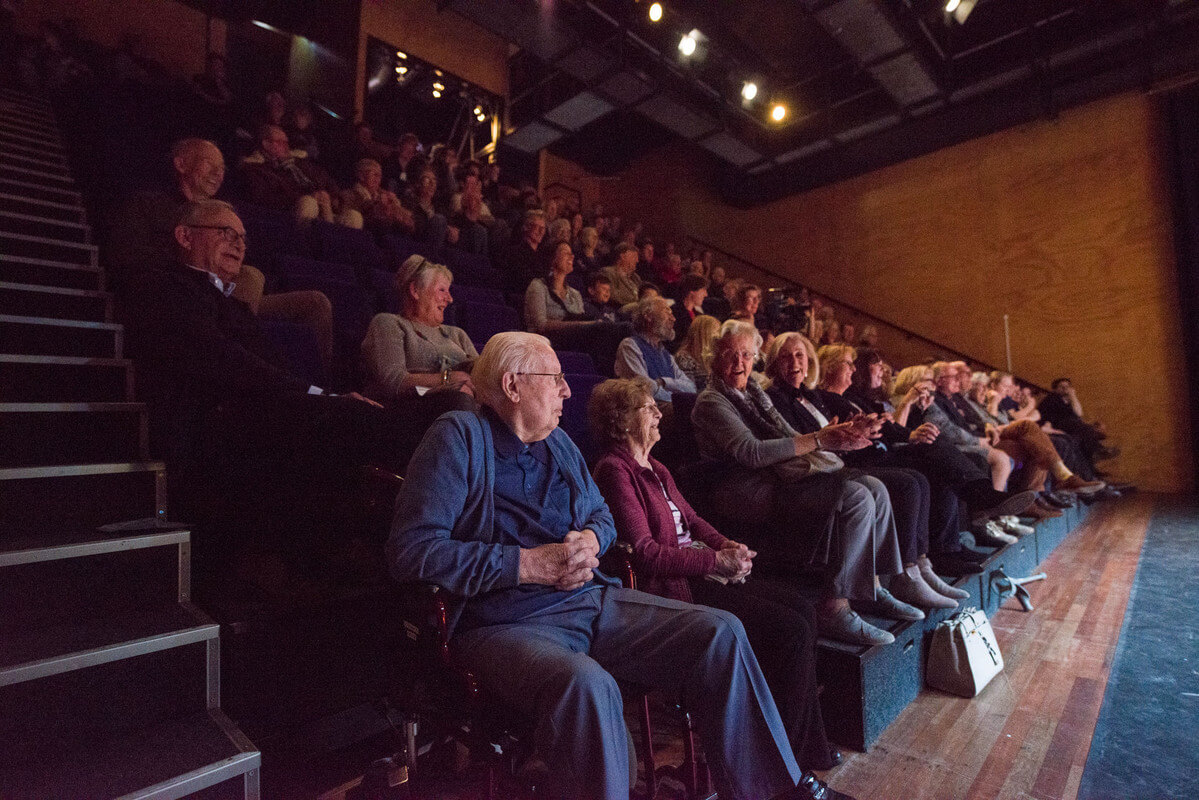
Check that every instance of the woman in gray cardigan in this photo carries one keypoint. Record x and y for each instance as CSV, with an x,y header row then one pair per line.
x,y
832,519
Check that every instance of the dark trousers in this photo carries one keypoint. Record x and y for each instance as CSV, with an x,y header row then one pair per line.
x,y
781,627
909,491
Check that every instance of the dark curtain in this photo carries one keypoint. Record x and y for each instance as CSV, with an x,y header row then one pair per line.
x,y
1182,125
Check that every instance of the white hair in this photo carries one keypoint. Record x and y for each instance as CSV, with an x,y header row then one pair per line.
x,y
732,330
510,351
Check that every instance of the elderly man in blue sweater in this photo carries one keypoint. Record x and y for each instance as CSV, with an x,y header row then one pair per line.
x,y
645,354
499,509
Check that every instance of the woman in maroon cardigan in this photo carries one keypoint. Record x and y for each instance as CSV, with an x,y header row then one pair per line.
x,y
677,554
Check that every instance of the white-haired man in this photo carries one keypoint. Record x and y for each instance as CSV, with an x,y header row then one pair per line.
x,y
645,353
499,509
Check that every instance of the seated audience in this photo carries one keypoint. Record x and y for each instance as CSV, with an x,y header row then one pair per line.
x,y
810,512
414,353
745,302
275,177
692,291
143,238
694,355
222,407
587,252
1062,409
644,353
499,510
623,274
520,259
381,210
678,555
396,173
431,226
598,303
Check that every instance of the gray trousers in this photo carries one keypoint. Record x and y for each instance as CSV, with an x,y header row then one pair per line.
x,y
867,537
560,668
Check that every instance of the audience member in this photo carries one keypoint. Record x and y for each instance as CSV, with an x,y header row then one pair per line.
x,y
692,291
381,210
678,555
499,510
414,353
1062,409
644,353
623,274
694,355
520,259
745,302
275,177
598,303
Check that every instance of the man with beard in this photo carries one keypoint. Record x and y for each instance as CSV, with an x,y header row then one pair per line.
x,y
644,353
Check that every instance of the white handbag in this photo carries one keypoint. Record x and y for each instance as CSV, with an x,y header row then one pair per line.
x,y
964,655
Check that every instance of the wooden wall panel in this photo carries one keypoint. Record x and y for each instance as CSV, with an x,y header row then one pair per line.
x,y
1064,225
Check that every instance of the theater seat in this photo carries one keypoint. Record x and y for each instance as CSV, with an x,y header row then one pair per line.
x,y
482,320
287,266
574,363
574,413
332,242
298,345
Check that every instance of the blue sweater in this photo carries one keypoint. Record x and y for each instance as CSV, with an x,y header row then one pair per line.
x,y
444,527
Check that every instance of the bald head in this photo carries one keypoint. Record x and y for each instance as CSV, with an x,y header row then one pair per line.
x,y
199,168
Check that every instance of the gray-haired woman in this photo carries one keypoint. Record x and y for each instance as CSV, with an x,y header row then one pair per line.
x,y
808,510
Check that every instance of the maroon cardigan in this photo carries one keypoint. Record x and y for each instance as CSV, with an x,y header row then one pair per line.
x,y
643,519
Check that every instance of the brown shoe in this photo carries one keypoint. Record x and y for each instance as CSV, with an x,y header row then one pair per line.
x,y
1039,511
1079,486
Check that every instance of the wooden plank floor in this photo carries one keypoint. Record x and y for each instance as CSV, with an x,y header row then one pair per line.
x,y
1028,734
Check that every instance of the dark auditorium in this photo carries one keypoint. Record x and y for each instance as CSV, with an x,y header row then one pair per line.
x,y
599,399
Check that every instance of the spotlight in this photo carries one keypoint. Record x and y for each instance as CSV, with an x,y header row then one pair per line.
x,y
750,90
655,12
438,73
480,117
952,6
436,93
402,70
778,112
687,44
400,54
478,110
439,86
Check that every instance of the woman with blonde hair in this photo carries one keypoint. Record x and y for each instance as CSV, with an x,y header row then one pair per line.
x,y
694,355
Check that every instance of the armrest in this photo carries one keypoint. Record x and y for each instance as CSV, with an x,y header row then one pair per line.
x,y
618,562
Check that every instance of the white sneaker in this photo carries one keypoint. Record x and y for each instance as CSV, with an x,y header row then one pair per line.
x,y
1014,526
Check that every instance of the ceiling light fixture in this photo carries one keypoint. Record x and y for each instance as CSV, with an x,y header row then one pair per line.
x,y
401,54
952,6
687,44
439,86
750,90
655,12
436,93
778,112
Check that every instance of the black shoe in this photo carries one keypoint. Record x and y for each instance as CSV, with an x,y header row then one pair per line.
x,y
954,566
812,788
1057,500
974,556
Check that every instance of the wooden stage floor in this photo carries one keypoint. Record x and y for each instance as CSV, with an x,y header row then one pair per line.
x,y
1027,735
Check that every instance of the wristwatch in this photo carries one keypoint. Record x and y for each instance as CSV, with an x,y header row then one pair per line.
x,y
818,440
445,377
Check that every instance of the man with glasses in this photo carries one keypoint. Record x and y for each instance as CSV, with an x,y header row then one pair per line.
x,y
499,509
222,407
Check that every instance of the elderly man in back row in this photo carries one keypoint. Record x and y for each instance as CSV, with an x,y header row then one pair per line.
x,y
499,509
645,354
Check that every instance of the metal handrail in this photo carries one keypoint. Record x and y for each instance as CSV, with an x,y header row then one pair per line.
x,y
792,283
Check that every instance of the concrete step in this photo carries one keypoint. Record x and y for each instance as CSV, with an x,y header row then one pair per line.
x,y
60,337
78,497
48,227
51,273
42,141
23,147
52,178
33,300
45,434
175,758
52,164
27,126
48,249
21,204
65,379
40,191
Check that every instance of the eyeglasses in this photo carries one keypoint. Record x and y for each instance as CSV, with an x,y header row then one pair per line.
x,y
230,235
559,377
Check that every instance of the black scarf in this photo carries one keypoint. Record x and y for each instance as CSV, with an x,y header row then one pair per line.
x,y
755,409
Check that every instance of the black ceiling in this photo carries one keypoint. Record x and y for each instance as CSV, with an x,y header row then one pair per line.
x,y
866,82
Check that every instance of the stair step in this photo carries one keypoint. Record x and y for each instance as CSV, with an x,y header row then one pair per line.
x,y
26,246
45,434
47,272
29,125
53,179
33,300
45,379
30,655
39,191
34,161
19,146
27,106
44,141
78,497
48,227
170,760
60,337
66,212
58,546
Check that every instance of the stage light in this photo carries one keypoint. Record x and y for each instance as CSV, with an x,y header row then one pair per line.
x,y
436,93
655,12
778,112
439,86
750,90
478,110
401,54
438,73
952,6
687,44
480,117
402,70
